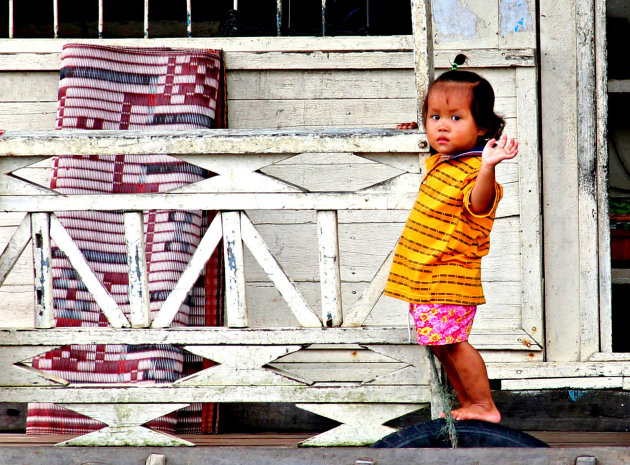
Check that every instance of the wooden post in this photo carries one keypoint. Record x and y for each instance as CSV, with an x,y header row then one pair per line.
x,y
587,182
329,272
235,306
605,272
140,314
423,49
42,261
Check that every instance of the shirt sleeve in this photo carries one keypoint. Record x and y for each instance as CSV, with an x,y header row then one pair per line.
x,y
498,194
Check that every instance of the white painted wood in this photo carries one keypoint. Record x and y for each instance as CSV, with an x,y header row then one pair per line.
x,y
211,201
124,422
329,269
235,306
580,369
108,306
530,205
198,261
298,306
139,299
42,263
133,393
200,141
208,336
562,383
239,365
610,357
418,371
43,54
361,424
360,311
601,83
559,189
15,373
587,182
14,248
421,21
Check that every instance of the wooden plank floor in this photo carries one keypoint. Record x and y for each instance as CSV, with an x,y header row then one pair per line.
x,y
291,440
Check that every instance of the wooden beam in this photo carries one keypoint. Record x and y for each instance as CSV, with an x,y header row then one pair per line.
x,y
329,269
202,141
138,291
235,304
42,263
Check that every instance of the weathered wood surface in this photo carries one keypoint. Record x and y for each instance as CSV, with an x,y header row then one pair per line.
x,y
38,455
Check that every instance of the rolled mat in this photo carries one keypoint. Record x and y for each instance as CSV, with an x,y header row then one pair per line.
x,y
107,87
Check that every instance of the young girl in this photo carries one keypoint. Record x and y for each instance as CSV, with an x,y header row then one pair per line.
x,y
437,266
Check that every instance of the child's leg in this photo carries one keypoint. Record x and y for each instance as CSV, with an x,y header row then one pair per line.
x,y
467,372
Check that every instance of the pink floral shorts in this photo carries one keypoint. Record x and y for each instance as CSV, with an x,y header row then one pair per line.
x,y
438,324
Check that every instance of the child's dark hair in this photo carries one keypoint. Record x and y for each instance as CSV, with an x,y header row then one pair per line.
x,y
481,104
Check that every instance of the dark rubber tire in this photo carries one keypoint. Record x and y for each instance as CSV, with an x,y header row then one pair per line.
x,y
470,433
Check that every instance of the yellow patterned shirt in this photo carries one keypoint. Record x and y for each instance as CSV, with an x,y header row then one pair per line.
x,y
438,256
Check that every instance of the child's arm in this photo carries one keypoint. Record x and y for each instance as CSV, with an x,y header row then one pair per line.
x,y
493,153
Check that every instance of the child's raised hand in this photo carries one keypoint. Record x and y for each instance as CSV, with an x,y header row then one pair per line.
x,y
496,151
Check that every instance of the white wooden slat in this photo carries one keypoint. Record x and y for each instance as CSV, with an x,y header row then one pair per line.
x,y
360,311
211,201
139,299
562,383
285,113
56,19
14,248
100,19
601,85
124,422
421,21
586,137
134,393
478,57
146,19
296,302
11,21
198,261
541,370
329,270
210,336
42,263
240,365
108,306
235,306
530,204
362,424
201,141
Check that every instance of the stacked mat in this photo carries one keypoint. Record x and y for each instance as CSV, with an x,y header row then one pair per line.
x,y
123,88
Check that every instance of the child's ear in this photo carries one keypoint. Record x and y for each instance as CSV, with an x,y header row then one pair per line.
x,y
481,132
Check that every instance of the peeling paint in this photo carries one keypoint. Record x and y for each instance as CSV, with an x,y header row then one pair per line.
x,y
514,16
453,21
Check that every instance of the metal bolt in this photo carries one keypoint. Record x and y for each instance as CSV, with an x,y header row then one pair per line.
x,y
422,144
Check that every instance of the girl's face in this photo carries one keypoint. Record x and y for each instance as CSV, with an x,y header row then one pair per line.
x,y
450,126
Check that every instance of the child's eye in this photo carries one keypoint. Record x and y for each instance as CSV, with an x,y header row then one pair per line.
x,y
435,117
455,118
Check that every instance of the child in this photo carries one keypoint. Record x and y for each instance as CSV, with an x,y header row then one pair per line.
x,y
437,266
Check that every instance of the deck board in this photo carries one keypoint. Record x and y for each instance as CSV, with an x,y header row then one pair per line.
x,y
291,440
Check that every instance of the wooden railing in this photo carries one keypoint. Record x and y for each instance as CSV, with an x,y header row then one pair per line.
x,y
387,163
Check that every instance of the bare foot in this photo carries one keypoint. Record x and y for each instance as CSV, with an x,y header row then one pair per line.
x,y
477,412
